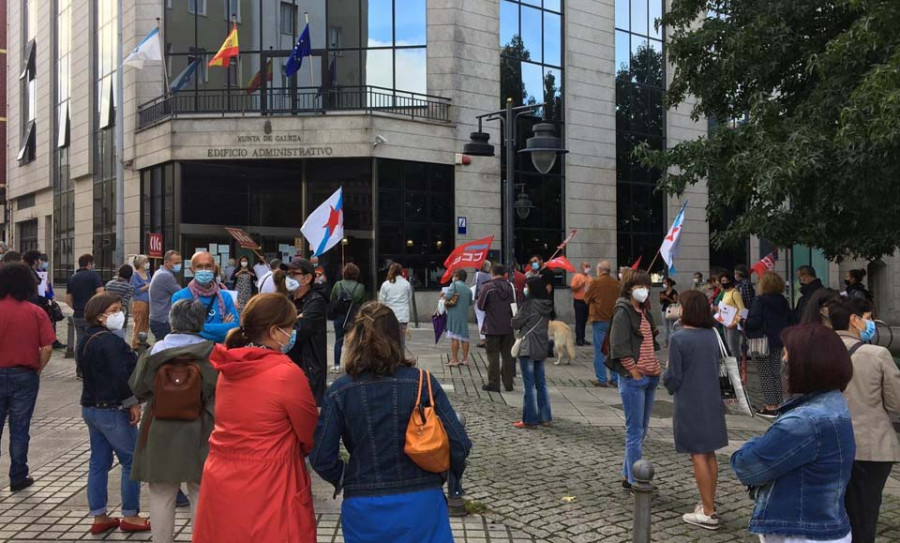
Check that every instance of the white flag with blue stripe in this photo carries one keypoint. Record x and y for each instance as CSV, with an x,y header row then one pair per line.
x,y
148,49
669,249
324,228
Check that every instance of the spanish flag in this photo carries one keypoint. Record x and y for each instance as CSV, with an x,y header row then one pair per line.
x,y
228,50
256,82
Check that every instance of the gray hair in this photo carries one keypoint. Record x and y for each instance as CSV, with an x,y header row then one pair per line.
x,y
187,317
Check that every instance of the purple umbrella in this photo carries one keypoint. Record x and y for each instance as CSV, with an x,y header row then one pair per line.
x,y
440,324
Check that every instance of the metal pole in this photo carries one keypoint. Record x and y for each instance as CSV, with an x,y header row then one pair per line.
x,y
509,230
119,255
643,493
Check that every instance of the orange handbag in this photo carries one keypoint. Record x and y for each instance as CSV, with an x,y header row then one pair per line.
x,y
427,443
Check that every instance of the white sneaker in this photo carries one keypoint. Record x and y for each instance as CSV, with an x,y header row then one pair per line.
x,y
698,518
335,369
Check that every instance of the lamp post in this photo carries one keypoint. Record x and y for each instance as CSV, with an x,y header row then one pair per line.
x,y
543,148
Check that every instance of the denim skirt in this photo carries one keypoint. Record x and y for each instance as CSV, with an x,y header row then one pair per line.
x,y
415,517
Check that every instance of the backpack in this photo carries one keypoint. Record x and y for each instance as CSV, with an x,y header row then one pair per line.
x,y
343,305
177,390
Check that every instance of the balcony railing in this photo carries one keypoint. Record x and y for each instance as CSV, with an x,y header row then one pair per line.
x,y
288,101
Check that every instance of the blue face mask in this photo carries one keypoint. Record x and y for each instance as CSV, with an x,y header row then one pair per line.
x,y
869,333
291,284
204,277
176,268
535,266
286,348
525,292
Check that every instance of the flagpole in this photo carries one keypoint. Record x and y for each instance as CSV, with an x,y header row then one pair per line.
x,y
312,81
165,67
652,262
119,254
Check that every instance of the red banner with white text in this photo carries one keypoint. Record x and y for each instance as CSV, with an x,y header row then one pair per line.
x,y
468,255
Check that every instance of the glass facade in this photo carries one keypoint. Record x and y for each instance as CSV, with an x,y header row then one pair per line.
x,y
105,102
28,83
354,43
531,68
63,188
640,117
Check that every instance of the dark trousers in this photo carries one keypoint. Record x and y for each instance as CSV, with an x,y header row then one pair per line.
x,y
863,498
18,393
160,330
81,327
338,338
497,347
581,315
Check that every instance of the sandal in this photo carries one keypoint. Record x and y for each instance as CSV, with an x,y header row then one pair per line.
x,y
454,364
464,363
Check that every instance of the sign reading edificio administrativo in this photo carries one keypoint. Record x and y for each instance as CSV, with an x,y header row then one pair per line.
x,y
269,146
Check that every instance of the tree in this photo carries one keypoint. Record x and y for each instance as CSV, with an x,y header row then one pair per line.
x,y
552,97
511,84
806,95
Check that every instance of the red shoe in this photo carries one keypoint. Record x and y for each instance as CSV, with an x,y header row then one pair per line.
x,y
129,527
521,425
103,527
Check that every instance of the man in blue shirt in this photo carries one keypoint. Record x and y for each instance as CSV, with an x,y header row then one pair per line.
x,y
221,315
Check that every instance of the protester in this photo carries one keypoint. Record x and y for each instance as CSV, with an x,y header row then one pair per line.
x,y
873,396
769,315
632,343
11,256
692,378
222,315
744,286
84,284
163,285
346,297
518,282
531,324
579,286
309,349
798,471
495,299
255,486
140,304
121,287
260,268
171,451
51,297
815,310
228,273
266,285
855,287
601,299
698,281
667,297
387,497
396,293
482,276
110,412
458,301
244,279
26,344
809,284
731,297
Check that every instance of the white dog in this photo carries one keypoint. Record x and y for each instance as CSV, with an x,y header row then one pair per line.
x,y
564,341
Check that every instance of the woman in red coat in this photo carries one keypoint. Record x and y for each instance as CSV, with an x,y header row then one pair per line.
x,y
255,485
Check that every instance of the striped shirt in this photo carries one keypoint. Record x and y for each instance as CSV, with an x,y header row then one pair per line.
x,y
122,290
647,364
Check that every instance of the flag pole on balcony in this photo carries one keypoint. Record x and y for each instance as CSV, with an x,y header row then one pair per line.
x,y
312,80
165,67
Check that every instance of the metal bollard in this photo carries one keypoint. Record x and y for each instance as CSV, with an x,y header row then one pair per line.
x,y
643,493
142,343
70,336
455,501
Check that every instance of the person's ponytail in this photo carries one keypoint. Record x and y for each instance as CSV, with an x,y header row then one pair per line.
x,y
237,338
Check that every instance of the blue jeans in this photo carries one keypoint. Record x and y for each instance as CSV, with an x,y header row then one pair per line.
x,y
600,331
338,339
533,378
637,402
111,432
18,393
160,330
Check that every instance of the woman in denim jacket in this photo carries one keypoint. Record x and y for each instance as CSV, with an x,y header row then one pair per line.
x,y
387,497
798,471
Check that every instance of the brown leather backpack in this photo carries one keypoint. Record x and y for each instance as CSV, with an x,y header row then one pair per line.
x,y
177,390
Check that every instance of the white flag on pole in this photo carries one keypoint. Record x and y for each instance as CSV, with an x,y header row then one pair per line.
x,y
324,228
669,249
148,49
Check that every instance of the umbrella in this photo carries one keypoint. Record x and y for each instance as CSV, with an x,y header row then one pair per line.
x,y
440,324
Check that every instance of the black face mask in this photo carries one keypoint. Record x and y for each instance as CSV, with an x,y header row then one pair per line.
x,y
847,282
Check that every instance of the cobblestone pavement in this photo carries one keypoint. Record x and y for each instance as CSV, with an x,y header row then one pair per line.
x,y
552,484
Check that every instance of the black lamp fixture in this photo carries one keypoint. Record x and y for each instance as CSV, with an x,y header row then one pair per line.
x,y
543,147
478,145
522,205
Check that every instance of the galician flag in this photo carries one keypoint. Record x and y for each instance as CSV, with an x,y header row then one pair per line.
x,y
148,49
228,50
669,249
324,228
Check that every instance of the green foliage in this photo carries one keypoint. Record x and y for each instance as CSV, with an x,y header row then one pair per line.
x,y
807,98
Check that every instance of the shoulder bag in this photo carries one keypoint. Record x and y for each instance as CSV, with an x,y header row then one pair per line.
x,y
427,443
517,344
673,312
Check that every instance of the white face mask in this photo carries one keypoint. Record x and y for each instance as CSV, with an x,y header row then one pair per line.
x,y
291,284
244,264
587,271
146,265
640,294
115,321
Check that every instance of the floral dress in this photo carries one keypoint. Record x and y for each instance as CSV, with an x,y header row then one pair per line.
x,y
243,284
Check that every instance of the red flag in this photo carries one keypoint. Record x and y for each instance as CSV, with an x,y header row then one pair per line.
x,y
766,264
468,255
637,263
560,263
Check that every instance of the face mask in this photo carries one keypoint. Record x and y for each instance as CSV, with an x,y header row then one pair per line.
x,y
115,321
244,264
847,282
204,277
587,271
146,265
291,284
176,268
45,266
696,281
525,291
620,277
535,266
640,294
290,344
869,333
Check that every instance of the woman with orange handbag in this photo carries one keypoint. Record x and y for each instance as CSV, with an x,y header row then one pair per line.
x,y
388,496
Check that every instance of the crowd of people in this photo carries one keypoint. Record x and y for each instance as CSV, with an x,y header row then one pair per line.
x,y
233,394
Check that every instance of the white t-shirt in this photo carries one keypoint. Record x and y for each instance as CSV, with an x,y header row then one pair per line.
x,y
266,283
260,270
782,539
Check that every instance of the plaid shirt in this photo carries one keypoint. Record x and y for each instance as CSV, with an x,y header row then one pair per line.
x,y
747,293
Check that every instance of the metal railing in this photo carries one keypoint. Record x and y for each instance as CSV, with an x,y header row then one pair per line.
x,y
293,101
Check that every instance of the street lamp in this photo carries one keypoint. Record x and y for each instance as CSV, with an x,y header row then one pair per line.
x,y
543,147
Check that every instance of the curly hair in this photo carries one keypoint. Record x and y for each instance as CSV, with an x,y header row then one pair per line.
x,y
373,342
18,281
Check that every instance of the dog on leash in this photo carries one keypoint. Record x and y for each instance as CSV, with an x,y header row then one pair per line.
x,y
563,340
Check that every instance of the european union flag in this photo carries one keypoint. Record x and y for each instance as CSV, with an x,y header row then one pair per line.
x,y
301,49
185,77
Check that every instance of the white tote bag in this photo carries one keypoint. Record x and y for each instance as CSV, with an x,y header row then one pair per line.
x,y
728,367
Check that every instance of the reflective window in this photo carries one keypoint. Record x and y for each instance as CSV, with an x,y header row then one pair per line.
x,y
63,188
